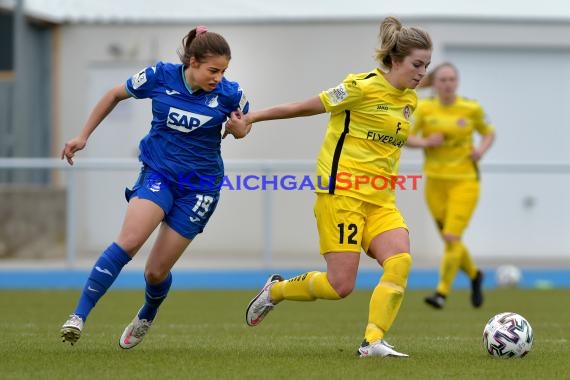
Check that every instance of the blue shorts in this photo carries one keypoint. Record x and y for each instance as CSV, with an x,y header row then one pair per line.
x,y
186,210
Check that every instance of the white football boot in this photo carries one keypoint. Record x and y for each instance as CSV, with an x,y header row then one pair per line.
x,y
380,348
261,304
71,329
134,332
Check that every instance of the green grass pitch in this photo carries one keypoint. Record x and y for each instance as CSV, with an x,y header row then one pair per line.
x,y
203,335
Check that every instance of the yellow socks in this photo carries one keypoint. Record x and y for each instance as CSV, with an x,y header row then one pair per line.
x,y
305,287
384,304
387,296
467,264
450,263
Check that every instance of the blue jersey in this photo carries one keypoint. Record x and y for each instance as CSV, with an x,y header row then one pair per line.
x,y
183,144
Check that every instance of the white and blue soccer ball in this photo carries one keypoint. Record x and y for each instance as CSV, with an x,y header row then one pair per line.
x,y
508,276
508,335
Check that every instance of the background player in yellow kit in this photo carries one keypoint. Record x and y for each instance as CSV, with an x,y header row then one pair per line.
x,y
368,126
444,126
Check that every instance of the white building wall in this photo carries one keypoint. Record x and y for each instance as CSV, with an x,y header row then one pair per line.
x,y
516,70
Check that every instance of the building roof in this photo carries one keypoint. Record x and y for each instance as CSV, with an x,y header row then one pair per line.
x,y
129,11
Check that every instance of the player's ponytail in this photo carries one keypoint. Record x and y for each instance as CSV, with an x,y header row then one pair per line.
x,y
201,43
397,41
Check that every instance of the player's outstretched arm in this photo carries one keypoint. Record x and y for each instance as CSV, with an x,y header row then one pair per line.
x,y
239,124
105,105
309,107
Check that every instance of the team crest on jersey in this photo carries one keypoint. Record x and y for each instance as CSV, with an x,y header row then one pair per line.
x,y
461,122
407,112
212,102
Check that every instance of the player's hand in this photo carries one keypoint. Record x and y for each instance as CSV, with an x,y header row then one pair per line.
x,y
237,125
72,146
434,140
476,155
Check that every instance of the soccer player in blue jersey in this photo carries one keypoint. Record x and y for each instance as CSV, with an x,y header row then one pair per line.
x,y
178,187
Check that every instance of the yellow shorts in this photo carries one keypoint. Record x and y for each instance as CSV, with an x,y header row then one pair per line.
x,y
452,203
348,224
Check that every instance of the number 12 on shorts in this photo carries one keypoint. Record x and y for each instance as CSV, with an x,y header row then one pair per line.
x,y
351,229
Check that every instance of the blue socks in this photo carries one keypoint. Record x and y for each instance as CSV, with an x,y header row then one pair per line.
x,y
104,273
102,276
153,296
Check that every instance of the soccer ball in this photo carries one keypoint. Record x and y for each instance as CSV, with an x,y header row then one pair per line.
x,y
507,335
508,276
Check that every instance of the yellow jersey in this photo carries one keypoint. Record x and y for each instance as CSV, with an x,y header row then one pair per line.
x,y
368,126
457,122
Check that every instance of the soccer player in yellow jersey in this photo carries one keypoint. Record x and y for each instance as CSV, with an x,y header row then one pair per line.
x,y
444,126
357,166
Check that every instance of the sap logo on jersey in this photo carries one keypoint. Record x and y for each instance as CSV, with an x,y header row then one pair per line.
x,y
185,121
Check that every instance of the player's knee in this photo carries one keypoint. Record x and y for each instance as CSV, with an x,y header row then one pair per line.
x,y
449,238
130,243
155,276
343,288
341,282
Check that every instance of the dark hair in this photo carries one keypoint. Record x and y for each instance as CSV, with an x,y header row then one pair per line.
x,y
203,45
397,41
